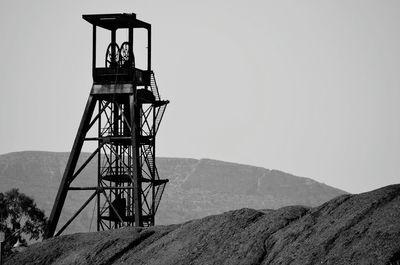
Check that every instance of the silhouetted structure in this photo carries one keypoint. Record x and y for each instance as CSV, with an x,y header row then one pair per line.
x,y
129,112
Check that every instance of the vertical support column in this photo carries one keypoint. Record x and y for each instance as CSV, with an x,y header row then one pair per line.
x,y
113,41
131,55
130,41
153,167
149,48
116,147
135,125
94,52
99,168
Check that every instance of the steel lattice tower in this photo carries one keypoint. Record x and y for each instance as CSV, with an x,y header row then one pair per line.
x,y
125,108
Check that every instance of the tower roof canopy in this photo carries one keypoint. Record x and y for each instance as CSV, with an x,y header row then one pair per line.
x,y
116,21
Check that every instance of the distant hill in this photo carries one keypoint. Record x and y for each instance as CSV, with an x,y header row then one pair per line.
x,y
350,229
197,188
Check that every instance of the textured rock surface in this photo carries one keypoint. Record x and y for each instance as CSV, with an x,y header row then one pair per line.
x,y
197,188
350,229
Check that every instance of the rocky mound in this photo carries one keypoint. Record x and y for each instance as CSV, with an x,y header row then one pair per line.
x,y
350,229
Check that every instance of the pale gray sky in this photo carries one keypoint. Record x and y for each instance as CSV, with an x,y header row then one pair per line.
x,y
308,87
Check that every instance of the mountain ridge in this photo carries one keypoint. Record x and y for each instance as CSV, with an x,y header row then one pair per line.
x,y
65,153
197,187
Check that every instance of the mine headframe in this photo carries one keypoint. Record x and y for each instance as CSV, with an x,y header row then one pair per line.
x,y
124,111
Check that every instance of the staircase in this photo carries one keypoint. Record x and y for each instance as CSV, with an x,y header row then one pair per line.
x,y
159,108
159,116
160,105
159,184
154,87
159,193
149,159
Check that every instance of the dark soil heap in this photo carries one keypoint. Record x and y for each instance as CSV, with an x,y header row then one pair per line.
x,y
351,229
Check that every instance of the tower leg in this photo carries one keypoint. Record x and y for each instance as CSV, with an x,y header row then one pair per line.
x,y
70,168
137,192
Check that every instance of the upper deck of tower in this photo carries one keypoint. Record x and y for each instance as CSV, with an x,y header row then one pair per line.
x,y
119,64
116,21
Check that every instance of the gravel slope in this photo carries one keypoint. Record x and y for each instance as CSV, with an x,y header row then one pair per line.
x,y
350,229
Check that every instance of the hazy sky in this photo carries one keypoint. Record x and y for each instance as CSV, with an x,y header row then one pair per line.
x,y
308,87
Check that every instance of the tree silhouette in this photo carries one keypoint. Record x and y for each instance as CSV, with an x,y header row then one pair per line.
x,y
20,218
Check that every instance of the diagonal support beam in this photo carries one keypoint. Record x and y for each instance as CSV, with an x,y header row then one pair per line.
x,y
85,164
76,214
99,114
70,168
